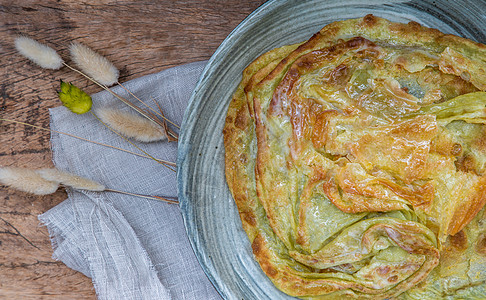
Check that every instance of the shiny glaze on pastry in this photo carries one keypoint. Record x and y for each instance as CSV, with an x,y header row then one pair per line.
x,y
357,162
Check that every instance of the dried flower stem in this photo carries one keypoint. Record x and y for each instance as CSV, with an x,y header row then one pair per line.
x,y
90,141
127,102
171,136
150,108
102,71
47,181
144,152
93,66
166,128
144,196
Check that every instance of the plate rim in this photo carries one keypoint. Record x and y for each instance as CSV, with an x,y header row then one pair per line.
x,y
182,153
182,146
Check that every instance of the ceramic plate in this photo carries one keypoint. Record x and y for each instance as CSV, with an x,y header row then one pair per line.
x,y
210,215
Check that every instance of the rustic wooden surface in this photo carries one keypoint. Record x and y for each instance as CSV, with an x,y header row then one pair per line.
x,y
140,37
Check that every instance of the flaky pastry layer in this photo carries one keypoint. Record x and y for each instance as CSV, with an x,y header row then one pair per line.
x,y
357,161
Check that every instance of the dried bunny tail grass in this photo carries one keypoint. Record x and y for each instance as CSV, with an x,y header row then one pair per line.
x,y
71,180
40,54
27,180
131,125
46,181
93,64
89,141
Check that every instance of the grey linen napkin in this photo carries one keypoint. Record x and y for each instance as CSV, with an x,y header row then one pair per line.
x,y
132,248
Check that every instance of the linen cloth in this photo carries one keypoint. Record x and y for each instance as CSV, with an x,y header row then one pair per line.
x,y
132,248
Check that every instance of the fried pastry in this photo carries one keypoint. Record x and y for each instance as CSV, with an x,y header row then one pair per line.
x,y
357,163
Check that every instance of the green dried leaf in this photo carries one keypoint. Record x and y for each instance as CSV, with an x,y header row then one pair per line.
x,y
75,99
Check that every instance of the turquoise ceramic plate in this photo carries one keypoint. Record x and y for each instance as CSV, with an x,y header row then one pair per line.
x,y
210,215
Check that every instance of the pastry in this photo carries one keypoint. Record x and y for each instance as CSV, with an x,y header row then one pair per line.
x,y
357,163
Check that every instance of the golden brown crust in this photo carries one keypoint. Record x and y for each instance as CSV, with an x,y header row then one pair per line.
x,y
238,137
351,155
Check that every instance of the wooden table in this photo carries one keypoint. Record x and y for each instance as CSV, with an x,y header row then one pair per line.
x,y
140,38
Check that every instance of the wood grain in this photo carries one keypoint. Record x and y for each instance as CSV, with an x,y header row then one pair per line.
x,y
140,38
